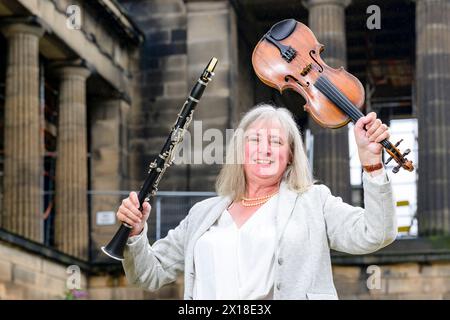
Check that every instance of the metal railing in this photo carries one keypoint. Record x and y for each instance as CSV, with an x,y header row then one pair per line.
x,y
174,211
168,207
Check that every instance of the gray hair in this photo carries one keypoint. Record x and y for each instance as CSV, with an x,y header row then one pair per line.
x,y
231,180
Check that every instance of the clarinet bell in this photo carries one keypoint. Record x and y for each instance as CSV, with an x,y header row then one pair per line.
x,y
116,246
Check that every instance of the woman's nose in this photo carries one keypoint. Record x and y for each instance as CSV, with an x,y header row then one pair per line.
x,y
264,146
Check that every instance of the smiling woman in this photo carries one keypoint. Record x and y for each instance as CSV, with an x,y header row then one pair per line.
x,y
269,134
269,233
271,147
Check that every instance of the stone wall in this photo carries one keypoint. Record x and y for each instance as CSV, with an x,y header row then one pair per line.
x,y
28,276
116,288
397,281
212,32
108,167
25,275
160,86
180,39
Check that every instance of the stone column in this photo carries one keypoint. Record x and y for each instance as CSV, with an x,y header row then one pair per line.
x,y
217,108
71,220
22,162
108,145
331,154
433,108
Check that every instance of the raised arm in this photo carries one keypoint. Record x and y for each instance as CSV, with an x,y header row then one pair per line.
x,y
356,230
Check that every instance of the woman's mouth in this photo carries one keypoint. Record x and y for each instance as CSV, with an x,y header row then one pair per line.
x,y
264,161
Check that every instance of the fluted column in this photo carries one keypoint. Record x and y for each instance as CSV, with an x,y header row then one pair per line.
x,y
22,161
108,146
71,220
433,106
331,154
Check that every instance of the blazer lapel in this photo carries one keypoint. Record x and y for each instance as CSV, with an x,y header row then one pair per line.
x,y
214,213
215,210
286,203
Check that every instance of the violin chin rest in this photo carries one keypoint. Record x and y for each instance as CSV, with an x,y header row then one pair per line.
x,y
283,29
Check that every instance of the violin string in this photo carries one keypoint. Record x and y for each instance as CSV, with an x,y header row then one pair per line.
x,y
339,99
346,104
327,91
330,89
350,109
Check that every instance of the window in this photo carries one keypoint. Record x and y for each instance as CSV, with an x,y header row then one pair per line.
x,y
404,183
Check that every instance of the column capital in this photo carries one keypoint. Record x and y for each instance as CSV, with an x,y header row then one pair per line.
x,y
68,68
311,3
28,25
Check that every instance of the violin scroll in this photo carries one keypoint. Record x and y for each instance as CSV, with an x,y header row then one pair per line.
x,y
399,157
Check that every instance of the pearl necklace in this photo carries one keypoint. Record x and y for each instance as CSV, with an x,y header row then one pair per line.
x,y
249,202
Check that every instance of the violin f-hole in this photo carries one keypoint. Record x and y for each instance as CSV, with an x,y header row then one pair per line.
x,y
320,66
286,78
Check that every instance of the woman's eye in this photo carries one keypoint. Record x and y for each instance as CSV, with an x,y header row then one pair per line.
x,y
253,138
275,141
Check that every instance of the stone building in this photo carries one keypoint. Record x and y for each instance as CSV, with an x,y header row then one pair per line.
x,y
87,104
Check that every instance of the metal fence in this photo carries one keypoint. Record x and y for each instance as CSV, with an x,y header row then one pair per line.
x,y
170,207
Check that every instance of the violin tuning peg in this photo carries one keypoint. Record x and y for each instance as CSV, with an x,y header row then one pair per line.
x,y
407,151
388,160
396,169
398,142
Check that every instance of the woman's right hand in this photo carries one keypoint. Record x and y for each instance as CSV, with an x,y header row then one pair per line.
x,y
130,214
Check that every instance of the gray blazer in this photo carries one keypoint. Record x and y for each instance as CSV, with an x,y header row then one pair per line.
x,y
308,225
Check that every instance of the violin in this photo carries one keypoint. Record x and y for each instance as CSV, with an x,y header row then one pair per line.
x,y
288,57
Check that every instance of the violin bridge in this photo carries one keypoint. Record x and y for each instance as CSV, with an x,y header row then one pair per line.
x,y
306,70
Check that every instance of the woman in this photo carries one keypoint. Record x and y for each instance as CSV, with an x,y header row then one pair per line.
x,y
269,233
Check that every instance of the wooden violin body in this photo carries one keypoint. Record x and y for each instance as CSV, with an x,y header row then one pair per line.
x,y
288,57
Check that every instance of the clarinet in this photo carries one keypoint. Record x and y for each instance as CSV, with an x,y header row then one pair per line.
x,y
116,246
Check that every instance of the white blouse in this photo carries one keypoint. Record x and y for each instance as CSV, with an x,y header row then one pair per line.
x,y
237,263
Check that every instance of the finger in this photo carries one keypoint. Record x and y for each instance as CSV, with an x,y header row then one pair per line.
x,y
125,219
382,128
146,209
384,135
359,125
363,121
372,115
134,198
369,119
130,215
373,127
127,204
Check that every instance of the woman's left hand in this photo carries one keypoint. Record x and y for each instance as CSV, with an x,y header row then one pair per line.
x,y
369,131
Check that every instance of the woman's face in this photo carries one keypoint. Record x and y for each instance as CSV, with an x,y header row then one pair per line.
x,y
267,151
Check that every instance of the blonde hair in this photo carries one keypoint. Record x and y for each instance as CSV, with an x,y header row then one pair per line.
x,y
231,180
